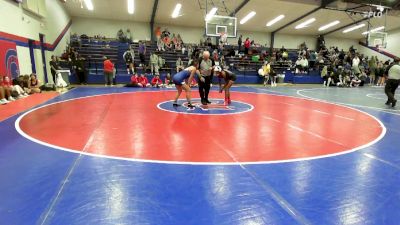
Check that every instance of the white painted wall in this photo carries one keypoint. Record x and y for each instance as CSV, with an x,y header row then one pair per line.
x,y
109,28
368,52
393,42
29,26
344,44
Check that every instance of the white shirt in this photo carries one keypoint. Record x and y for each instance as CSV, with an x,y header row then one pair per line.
x,y
356,61
394,72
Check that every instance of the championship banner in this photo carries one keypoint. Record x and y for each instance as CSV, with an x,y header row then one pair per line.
x,y
8,59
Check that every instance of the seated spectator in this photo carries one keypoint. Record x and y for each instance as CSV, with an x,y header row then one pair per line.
x,y
128,36
156,81
179,65
134,81
143,82
16,90
168,81
3,99
34,84
7,91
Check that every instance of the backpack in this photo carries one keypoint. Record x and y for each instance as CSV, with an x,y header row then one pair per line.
x,y
60,81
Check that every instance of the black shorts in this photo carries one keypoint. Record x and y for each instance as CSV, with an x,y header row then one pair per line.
x,y
232,77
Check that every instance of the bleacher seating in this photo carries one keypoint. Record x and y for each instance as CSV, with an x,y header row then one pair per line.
x,y
245,68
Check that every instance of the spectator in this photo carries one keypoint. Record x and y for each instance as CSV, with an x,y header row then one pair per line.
x,y
355,65
168,81
108,71
79,67
156,81
266,69
143,82
34,84
128,36
379,72
134,81
160,45
161,62
240,42
372,64
129,58
179,65
16,90
7,91
326,76
142,53
247,45
154,63
54,67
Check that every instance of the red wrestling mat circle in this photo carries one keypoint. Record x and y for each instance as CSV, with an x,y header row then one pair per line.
x,y
130,126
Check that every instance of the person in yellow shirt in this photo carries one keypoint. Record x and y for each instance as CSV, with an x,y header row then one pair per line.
x,y
266,70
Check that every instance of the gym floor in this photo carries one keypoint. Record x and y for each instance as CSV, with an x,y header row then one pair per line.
x,y
287,155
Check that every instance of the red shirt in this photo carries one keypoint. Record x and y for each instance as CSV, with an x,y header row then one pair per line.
x,y
155,81
143,80
134,79
247,44
108,66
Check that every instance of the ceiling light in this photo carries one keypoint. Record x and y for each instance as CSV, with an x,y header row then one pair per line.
x,y
247,17
176,11
374,30
272,22
131,7
304,24
354,28
211,13
334,23
89,4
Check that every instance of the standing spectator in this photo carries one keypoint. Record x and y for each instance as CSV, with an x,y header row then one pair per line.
x,y
179,65
206,66
154,63
129,58
247,45
372,64
108,71
240,42
393,82
142,53
379,72
128,36
79,66
355,65
266,71
54,67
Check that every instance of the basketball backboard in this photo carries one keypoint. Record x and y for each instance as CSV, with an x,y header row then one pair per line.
x,y
221,24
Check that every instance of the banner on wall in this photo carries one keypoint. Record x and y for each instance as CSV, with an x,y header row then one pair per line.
x,y
8,59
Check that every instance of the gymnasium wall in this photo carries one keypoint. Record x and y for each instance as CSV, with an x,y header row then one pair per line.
x,y
109,28
393,42
26,25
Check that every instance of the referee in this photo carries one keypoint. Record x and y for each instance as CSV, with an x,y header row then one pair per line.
x,y
206,66
393,73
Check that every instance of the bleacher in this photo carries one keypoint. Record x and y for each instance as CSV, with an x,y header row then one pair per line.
x,y
245,67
